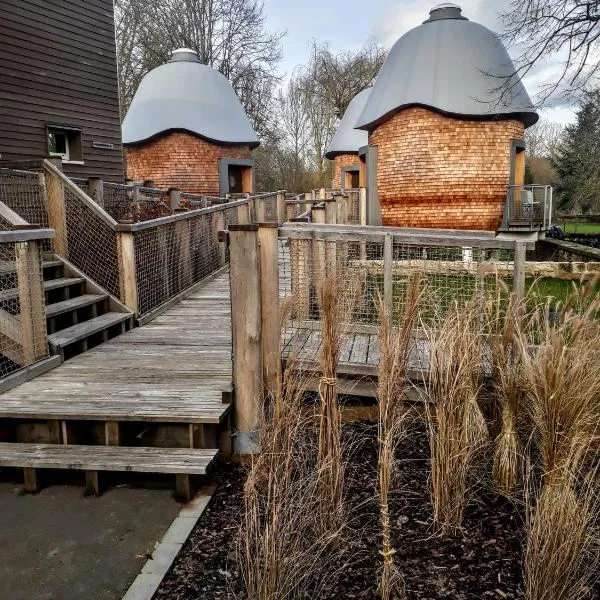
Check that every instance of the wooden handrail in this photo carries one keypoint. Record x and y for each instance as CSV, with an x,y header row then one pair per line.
x,y
142,225
25,235
81,195
8,214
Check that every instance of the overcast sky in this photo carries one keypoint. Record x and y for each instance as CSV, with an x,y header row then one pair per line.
x,y
350,23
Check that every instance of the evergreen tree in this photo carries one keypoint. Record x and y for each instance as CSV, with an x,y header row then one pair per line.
x,y
578,159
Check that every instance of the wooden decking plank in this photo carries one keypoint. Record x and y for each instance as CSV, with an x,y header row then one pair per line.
x,y
373,354
107,458
360,349
174,369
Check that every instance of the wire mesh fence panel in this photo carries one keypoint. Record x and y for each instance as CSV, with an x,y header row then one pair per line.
x,y
23,192
353,204
23,339
82,184
172,257
91,243
119,201
370,276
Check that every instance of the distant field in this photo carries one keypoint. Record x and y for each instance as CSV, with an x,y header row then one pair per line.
x,y
589,228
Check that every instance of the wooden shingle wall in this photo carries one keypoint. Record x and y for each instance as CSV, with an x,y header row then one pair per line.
x,y
436,171
341,161
181,160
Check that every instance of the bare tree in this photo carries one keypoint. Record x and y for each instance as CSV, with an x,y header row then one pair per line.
x,y
337,78
569,28
229,35
544,138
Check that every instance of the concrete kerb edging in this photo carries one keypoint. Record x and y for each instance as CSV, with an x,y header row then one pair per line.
x,y
147,582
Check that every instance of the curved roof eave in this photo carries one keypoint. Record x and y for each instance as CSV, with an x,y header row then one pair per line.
x,y
252,145
453,66
185,95
348,139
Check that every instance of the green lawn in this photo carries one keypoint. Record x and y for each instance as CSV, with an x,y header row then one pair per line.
x,y
589,228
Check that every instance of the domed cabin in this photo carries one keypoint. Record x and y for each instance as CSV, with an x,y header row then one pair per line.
x,y
345,148
187,129
446,119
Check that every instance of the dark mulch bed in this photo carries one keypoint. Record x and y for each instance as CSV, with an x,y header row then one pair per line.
x,y
484,561
585,239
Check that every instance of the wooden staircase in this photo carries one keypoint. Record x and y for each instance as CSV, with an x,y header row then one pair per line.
x,y
155,399
79,315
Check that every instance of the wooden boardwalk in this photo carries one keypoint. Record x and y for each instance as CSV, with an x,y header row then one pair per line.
x,y
174,369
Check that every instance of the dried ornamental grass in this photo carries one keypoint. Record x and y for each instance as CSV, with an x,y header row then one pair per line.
x,y
457,428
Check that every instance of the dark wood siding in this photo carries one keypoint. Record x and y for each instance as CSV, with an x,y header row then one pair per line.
x,y
58,67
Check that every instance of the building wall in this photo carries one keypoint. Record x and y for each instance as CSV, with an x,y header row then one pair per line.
x,y
339,162
181,160
434,171
58,67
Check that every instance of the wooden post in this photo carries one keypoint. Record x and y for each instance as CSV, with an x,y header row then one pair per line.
x,y
184,261
309,196
269,291
330,211
341,209
281,208
174,199
96,190
30,480
318,251
219,225
243,214
31,300
299,254
388,257
57,214
362,206
127,274
246,316
259,207
252,210
519,270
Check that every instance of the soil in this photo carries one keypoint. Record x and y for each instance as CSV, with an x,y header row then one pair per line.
x,y
590,239
483,561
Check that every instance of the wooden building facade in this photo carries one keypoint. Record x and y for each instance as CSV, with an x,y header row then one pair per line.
x,y
59,92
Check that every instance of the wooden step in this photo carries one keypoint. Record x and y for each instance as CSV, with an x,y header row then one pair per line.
x,y
79,332
50,284
59,308
94,403
9,266
187,461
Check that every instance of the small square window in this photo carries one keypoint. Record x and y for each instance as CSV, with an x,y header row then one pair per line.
x,y
65,143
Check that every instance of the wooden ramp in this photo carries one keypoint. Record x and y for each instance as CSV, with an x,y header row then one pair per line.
x,y
166,384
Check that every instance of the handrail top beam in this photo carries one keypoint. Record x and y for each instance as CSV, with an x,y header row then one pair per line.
x,y
25,235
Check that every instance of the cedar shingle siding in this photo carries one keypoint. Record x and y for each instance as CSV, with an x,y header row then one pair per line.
x,y
58,68
435,171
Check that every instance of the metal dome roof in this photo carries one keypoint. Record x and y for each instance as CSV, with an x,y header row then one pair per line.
x,y
347,139
453,66
185,95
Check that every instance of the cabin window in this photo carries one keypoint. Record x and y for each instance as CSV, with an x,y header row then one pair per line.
x,y
236,176
65,143
351,178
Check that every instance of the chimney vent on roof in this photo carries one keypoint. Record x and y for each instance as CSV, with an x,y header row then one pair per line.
x,y
184,55
447,10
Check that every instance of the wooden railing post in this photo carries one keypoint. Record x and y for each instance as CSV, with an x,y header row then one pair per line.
x,y
31,301
243,214
281,208
330,211
127,271
318,251
341,209
299,257
388,293
362,206
246,315
57,214
96,190
174,199
259,208
219,225
519,270
309,196
269,290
